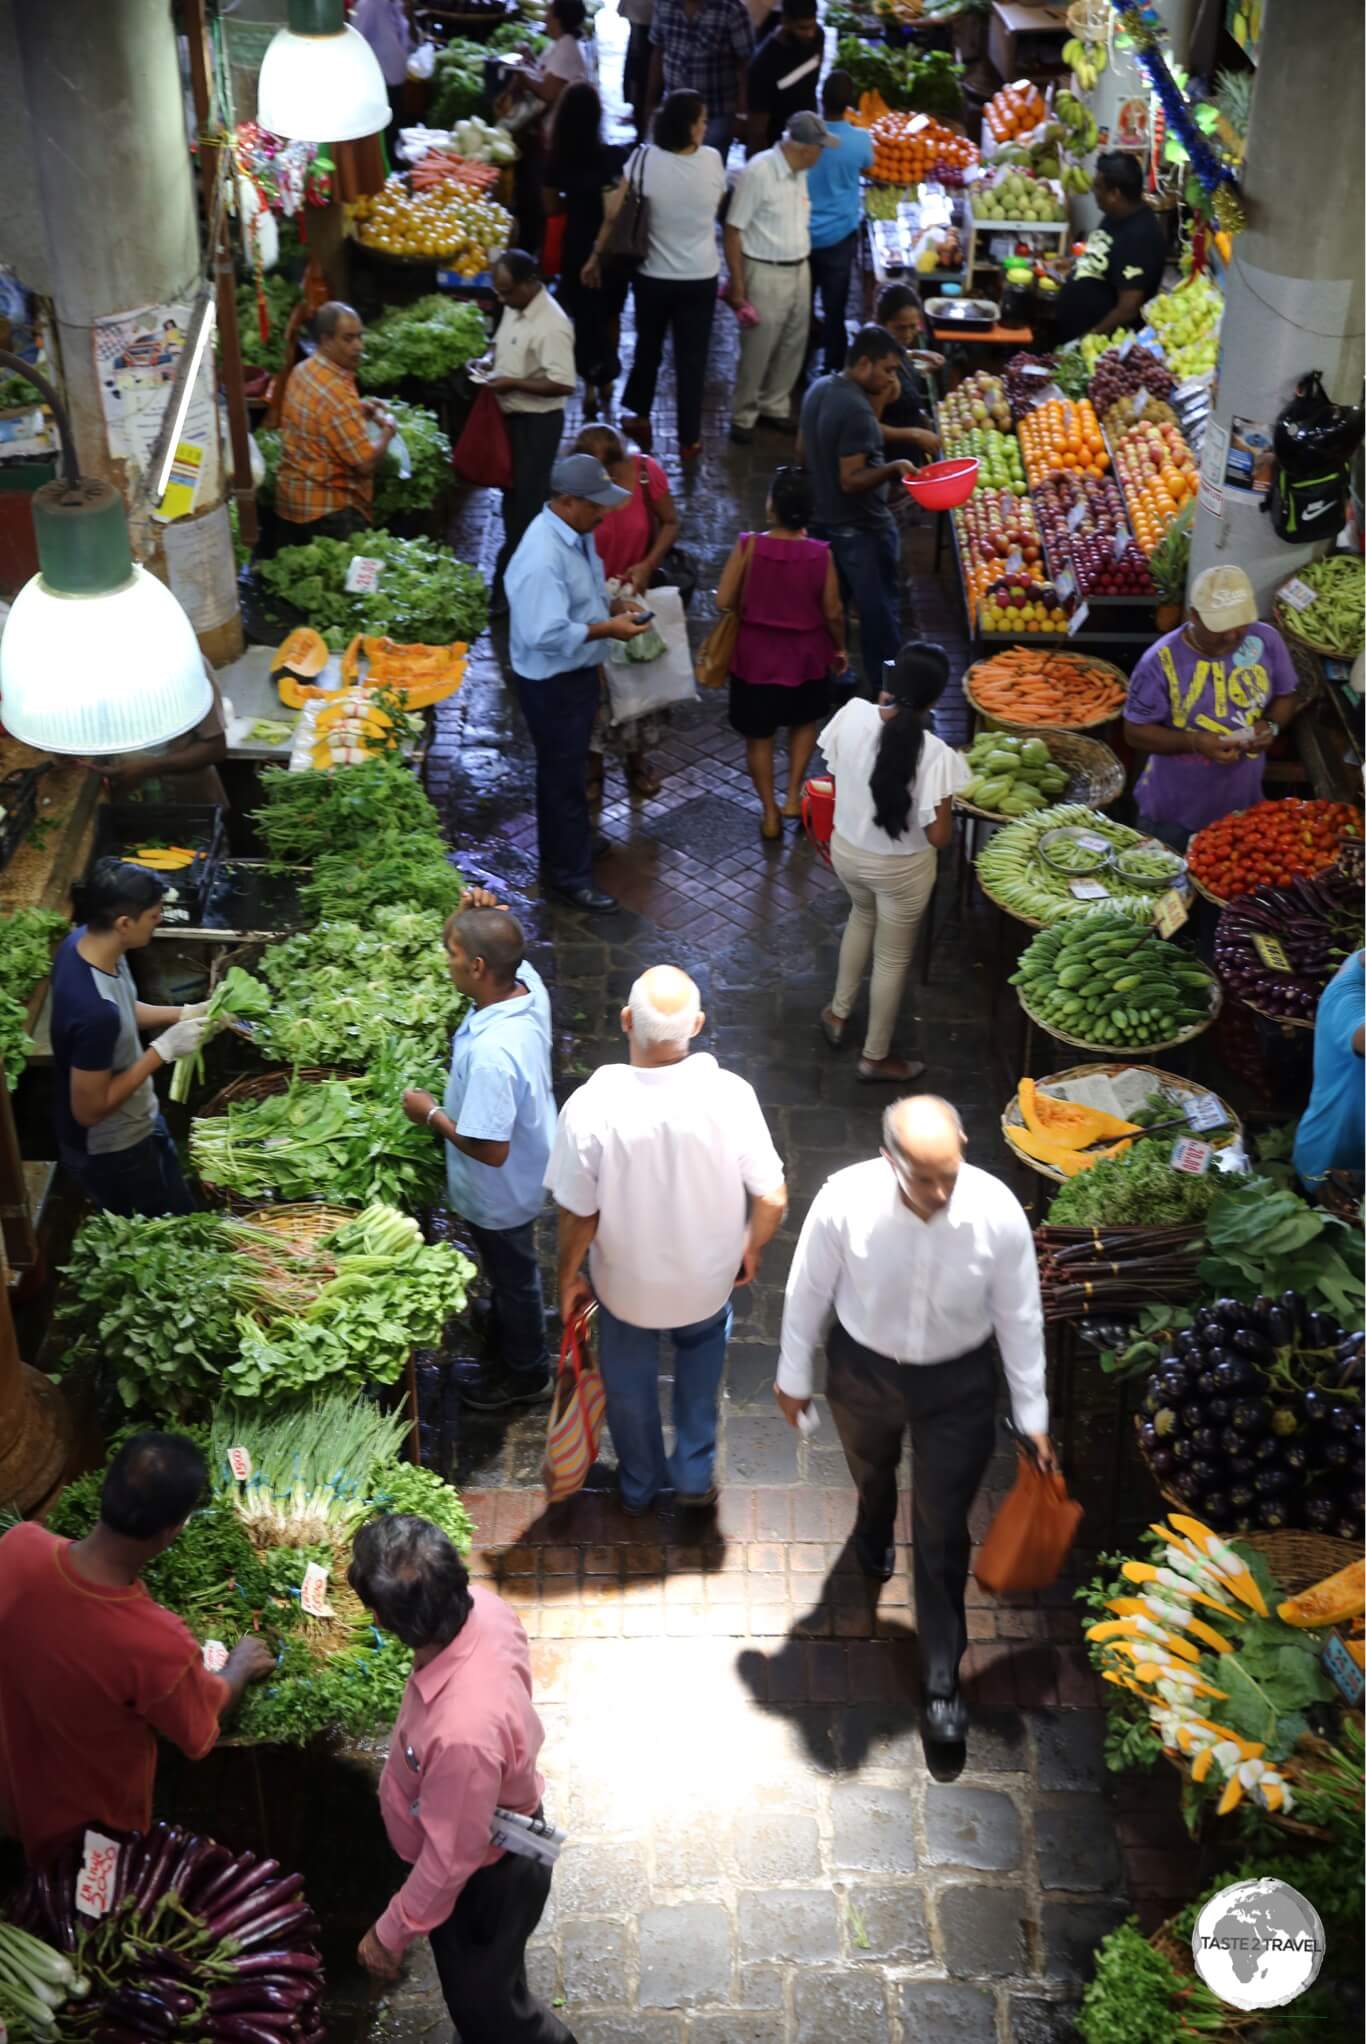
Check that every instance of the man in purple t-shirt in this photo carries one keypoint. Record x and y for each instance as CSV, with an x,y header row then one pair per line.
x,y
1206,701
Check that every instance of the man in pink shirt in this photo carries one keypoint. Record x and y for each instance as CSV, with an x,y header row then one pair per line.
x,y
465,1744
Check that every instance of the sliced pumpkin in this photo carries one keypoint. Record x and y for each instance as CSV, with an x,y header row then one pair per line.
x,y
1330,1602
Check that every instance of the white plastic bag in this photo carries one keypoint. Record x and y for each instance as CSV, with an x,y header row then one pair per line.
x,y
422,63
639,687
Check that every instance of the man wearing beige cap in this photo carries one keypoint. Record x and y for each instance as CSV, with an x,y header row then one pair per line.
x,y
768,241
1205,702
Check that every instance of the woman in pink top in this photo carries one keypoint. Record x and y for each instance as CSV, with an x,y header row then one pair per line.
x,y
791,640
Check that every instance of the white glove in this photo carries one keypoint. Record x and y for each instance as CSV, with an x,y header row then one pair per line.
x,y
193,1009
182,1039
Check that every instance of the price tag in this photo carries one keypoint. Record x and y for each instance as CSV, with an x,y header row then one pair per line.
x,y
1343,1671
363,575
914,127
1014,561
239,1462
1271,951
1297,594
1192,387
1171,912
1089,890
1033,369
1124,347
1092,842
1119,546
1188,1155
99,1868
1066,585
313,1592
1051,395
1202,1110
1077,620
215,1656
1075,516
1141,403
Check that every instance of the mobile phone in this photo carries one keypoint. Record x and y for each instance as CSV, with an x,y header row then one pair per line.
x,y
642,617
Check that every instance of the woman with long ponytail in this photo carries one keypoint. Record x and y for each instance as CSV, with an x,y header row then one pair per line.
x,y
894,787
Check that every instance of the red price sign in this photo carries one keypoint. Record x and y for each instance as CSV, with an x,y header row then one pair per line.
x,y
99,1870
313,1591
239,1462
1188,1155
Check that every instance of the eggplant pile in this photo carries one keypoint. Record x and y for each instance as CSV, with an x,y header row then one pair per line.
x,y
1254,1419
198,1942
1317,922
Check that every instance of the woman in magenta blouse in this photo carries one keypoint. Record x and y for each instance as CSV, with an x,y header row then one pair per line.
x,y
790,641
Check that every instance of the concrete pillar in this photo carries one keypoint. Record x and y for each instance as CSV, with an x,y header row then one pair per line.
x,y
99,82
1294,291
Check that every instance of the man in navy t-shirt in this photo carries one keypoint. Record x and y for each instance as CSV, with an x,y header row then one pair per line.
x,y
111,1136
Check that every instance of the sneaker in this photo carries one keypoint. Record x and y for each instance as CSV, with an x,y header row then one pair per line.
x,y
486,1391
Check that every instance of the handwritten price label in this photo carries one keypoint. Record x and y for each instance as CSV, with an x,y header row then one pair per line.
x,y
1014,561
239,1462
1091,841
313,1591
1203,1110
1297,594
1078,619
1271,951
363,574
1066,585
215,1656
1075,516
99,1870
1141,403
1171,912
1089,890
1188,1155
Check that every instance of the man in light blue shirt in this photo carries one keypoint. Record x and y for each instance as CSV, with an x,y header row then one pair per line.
x,y
497,1122
833,184
558,613
1332,1130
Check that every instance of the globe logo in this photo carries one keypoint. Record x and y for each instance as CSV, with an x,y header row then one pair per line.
x,y
1258,1944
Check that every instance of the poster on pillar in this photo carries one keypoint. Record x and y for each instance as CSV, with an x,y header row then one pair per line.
x,y
137,355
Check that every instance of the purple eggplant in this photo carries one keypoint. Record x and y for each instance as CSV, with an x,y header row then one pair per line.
x,y
259,1903
247,2030
216,1904
283,1922
255,1994
282,1960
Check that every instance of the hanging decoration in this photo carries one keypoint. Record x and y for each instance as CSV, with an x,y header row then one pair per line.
x,y
1139,21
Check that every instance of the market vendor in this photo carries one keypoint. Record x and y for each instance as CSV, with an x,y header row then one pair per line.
x,y
111,1135
906,414
94,1667
325,487
1331,1134
185,771
1205,703
1121,266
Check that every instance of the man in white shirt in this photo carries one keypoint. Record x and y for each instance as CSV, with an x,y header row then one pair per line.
x,y
667,1180
533,373
913,1261
768,240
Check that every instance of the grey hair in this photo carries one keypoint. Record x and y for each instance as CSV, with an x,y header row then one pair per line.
x,y
329,317
409,1574
889,1135
651,1028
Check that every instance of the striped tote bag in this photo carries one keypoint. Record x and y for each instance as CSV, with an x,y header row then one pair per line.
x,y
575,1424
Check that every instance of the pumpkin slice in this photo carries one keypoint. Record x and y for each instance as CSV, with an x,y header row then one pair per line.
x,y
1330,1602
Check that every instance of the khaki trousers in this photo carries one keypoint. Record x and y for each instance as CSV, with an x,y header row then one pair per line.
x,y
772,353
888,892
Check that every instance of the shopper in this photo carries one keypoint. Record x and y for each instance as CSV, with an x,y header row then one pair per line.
x,y
1205,703
768,240
783,73
533,374
464,1747
667,1180
703,46
633,545
387,27
905,414
894,787
635,68
790,640
834,186
920,1259
841,444
566,62
111,1135
559,614
1331,1133
1122,264
95,1670
583,170
675,287
324,488
496,1121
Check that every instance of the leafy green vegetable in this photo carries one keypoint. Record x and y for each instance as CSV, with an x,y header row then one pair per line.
x,y
1265,1238
341,811
281,297
1274,1676
429,456
342,990
416,875
423,594
1136,1188
1135,1994
457,83
925,84
423,341
402,1487
238,996
26,941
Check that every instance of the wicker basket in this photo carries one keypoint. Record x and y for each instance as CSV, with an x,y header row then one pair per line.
x,y
1178,1955
1095,776
1046,731
1299,1560
1140,1050
304,1224
1287,623
1013,1118
1215,900
251,1090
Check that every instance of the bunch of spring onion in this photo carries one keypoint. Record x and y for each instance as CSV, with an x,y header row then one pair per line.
x,y
34,1982
198,1943
311,1470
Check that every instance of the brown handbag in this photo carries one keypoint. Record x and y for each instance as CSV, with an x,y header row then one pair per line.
x,y
717,650
628,237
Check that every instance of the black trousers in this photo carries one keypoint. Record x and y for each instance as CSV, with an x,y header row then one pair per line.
x,y
949,1408
480,1953
334,525
559,713
534,438
685,307
831,269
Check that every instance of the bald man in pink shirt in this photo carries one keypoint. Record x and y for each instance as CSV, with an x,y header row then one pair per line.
x,y
465,1743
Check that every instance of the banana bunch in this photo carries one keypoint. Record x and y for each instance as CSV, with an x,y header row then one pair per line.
x,y
1086,61
1080,123
1074,179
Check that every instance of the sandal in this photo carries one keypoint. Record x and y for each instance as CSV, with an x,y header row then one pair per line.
x,y
641,777
832,1028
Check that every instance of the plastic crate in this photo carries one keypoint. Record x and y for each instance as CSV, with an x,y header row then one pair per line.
x,y
121,827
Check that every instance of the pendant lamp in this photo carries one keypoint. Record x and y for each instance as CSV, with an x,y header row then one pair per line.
x,y
320,80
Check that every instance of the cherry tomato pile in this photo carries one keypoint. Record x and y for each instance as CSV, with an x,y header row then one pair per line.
x,y
1270,845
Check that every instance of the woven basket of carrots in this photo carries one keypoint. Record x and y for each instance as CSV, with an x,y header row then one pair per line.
x,y
1026,688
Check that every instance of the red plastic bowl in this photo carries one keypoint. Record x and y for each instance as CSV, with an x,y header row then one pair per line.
x,y
944,485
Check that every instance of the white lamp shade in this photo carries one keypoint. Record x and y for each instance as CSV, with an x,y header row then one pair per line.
x,y
98,675
321,88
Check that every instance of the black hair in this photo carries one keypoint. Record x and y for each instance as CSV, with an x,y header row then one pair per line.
x,y
1122,172
117,889
493,935
872,344
799,10
517,266
838,94
791,498
571,15
915,685
895,298
410,1576
329,317
153,1483
676,119
576,129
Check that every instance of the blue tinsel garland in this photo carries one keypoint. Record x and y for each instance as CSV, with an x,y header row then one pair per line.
x,y
1141,24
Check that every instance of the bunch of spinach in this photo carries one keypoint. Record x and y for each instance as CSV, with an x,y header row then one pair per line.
x,y
1265,1238
26,941
423,593
1136,1997
341,991
341,811
426,340
415,873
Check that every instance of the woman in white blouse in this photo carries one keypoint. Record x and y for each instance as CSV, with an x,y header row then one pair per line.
x,y
894,787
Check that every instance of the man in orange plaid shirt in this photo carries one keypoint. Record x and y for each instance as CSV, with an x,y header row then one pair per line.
x,y
325,486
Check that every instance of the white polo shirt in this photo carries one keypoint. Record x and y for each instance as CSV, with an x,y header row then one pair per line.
x,y
668,1158
538,341
772,209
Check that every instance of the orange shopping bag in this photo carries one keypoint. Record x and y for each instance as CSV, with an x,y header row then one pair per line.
x,y
1028,1540
575,1424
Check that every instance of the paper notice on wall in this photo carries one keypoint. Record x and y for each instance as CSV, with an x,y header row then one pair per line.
x,y
1215,450
201,569
137,355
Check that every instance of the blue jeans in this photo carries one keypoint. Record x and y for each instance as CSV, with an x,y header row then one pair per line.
x,y
867,565
628,1358
517,1321
144,1179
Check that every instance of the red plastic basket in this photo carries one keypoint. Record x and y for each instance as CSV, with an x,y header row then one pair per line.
x,y
944,485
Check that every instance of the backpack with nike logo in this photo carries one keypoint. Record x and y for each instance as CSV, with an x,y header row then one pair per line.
x,y
1314,441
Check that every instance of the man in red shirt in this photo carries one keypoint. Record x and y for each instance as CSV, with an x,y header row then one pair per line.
x,y
93,1667
464,1745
